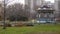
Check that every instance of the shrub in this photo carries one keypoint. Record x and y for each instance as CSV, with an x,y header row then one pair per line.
x,y
18,18
8,25
29,24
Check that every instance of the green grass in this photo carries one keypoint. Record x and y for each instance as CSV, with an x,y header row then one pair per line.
x,y
34,29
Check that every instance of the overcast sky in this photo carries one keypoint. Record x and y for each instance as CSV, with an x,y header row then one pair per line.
x,y
50,0
22,1
15,1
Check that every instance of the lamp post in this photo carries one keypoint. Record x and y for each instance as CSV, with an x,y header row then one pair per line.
x,y
4,26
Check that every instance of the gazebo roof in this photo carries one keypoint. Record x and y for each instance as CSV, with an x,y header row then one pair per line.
x,y
45,6
45,9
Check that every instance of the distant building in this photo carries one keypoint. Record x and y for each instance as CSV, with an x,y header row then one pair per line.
x,y
56,5
33,5
57,8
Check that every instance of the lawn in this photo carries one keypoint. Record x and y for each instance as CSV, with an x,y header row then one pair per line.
x,y
37,29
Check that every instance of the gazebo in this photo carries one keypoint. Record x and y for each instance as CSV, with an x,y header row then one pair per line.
x,y
45,14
